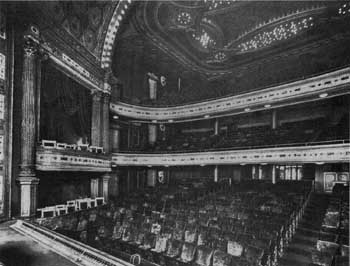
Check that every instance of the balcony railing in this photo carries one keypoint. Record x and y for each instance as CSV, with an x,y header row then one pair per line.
x,y
307,89
53,159
71,249
326,153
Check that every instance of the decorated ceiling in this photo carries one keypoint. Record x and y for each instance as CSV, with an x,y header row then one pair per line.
x,y
212,36
205,48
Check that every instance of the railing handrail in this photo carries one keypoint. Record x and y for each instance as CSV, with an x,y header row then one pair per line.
x,y
71,243
298,144
233,94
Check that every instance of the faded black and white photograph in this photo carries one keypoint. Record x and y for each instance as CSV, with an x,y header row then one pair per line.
x,y
174,133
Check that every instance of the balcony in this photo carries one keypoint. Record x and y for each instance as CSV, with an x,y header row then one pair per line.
x,y
334,83
327,153
55,159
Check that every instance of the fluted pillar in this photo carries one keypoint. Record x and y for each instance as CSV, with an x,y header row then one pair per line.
x,y
96,139
152,134
260,172
94,185
105,122
105,185
273,174
216,126
216,174
27,178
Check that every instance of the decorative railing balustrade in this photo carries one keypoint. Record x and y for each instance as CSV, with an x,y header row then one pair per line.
x,y
78,253
301,154
334,83
53,159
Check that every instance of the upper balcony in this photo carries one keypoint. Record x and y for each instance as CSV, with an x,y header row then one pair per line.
x,y
54,156
326,85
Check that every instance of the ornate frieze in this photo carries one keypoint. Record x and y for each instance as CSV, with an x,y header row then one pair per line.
x,y
67,160
312,87
302,154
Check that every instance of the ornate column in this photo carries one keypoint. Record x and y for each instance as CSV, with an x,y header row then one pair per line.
x,y
216,174
105,122
27,178
253,171
152,134
300,172
105,184
260,172
293,172
274,119
216,126
115,138
273,174
96,139
94,187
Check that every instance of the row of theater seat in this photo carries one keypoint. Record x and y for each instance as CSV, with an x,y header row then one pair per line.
x,y
242,227
288,133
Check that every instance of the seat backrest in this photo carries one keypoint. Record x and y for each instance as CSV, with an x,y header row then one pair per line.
x,y
174,248
221,258
188,252
203,256
234,248
149,240
161,243
253,254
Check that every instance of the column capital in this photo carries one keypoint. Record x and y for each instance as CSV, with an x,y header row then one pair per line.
x,y
28,181
96,95
30,48
106,97
106,177
26,172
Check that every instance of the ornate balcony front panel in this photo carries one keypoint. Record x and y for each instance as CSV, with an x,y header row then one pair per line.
x,y
49,159
334,83
303,154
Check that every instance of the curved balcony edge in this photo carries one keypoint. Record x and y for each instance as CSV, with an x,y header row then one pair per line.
x,y
334,83
303,154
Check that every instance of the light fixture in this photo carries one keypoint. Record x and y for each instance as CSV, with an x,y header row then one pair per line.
x,y
247,109
115,117
154,121
263,163
323,95
202,165
242,164
319,163
267,105
149,166
206,116
170,120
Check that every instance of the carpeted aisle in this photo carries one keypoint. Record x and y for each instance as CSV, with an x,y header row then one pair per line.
x,y
299,250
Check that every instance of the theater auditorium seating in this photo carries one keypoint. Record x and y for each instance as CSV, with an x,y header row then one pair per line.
x,y
250,223
291,133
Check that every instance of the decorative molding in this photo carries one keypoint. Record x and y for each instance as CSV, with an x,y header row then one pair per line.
x,y
330,82
65,160
303,154
65,62
2,66
113,27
